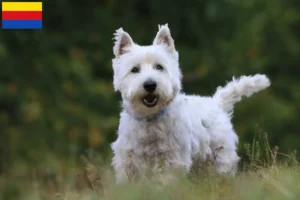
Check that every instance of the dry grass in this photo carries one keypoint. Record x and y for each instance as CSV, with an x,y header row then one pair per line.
x,y
260,179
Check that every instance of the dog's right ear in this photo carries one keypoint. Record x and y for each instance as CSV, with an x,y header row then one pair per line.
x,y
123,42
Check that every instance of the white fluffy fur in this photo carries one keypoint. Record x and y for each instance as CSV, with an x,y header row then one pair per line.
x,y
193,129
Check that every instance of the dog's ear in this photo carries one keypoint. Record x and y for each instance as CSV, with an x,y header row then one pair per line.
x,y
123,42
163,37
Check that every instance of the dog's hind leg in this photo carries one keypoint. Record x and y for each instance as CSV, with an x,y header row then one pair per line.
x,y
223,146
225,160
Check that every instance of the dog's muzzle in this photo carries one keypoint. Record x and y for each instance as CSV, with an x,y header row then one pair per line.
x,y
150,99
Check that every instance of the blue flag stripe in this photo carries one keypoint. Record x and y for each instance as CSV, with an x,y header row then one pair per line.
x,y
22,24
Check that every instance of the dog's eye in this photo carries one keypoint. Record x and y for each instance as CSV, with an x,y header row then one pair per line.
x,y
159,67
135,70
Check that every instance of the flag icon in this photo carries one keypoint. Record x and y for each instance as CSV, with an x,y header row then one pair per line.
x,y
22,15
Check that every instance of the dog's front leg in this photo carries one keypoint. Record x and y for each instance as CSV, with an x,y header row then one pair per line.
x,y
125,168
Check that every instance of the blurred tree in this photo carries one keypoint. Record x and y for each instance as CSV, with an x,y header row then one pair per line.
x,y
56,91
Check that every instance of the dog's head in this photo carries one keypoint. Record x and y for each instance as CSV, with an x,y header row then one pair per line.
x,y
148,77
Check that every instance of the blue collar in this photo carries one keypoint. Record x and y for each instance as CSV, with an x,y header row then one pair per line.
x,y
152,117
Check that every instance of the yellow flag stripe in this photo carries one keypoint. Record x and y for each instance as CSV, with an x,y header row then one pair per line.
x,y
22,6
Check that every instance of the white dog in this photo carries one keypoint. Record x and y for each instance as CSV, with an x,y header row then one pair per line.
x,y
160,127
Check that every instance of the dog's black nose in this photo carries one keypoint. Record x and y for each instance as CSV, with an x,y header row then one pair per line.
x,y
150,85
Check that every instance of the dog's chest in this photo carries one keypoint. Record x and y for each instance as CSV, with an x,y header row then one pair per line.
x,y
157,143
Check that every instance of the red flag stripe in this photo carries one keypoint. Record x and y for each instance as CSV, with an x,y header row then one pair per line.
x,y
21,15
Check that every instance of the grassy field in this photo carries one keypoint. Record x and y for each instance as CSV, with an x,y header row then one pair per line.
x,y
69,180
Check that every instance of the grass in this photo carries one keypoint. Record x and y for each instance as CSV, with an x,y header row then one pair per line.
x,y
262,177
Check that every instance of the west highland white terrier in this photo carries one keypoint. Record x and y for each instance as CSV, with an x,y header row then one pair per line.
x,y
160,127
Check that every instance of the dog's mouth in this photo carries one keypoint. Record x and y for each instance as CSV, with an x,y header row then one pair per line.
x,y
150,100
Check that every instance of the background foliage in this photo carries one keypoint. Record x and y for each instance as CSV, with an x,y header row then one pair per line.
x,y
56,94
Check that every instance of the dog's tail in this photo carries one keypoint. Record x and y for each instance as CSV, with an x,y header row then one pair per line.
x,y
237,88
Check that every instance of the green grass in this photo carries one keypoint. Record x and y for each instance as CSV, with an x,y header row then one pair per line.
x,y
263,176
266,183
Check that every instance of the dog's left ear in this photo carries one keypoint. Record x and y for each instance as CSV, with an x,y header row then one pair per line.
x,y
163,37
123,42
